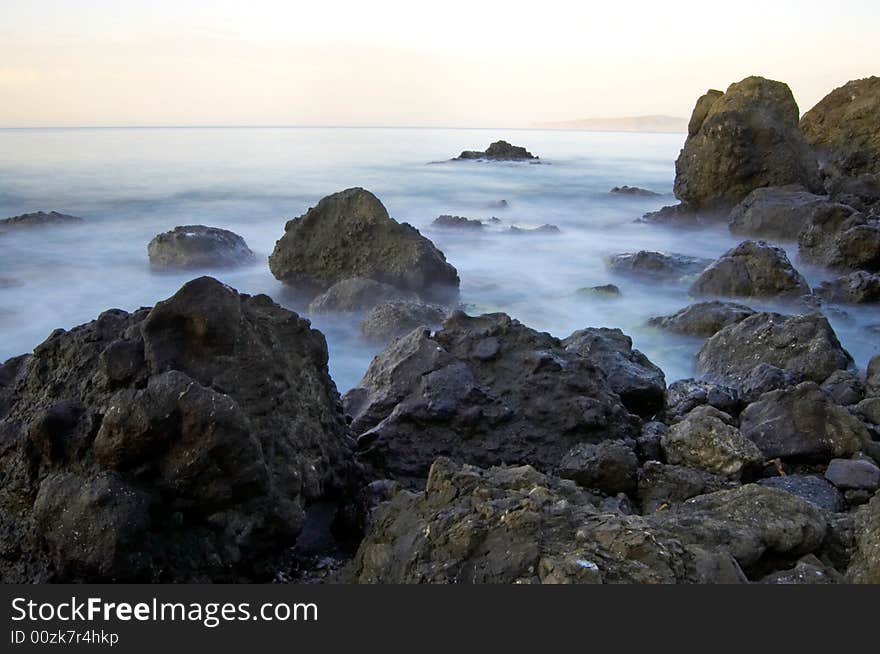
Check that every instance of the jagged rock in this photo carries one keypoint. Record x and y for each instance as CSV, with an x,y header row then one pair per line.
x,y
862,192
809,488
859,287
661,486
842,240
357,294
853,474
802,423
608,290
779,213
640,384
197,246
872,377
704,440
685,395
802,345
844,387
458,222
39,219
391,320
752,269
180,443
487,390
744,139
610,467
648,444
865,564
764,378
499,151
843,128
703,319
349,234
534,231
657,264
633,191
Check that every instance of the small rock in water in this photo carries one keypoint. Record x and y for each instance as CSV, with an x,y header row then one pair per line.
x,y
498,151
657,264
457,222
608,290
633,191
39,219
860,287
752,269
703,319
198,246
543,229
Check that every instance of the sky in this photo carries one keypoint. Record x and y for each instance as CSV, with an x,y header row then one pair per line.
x,y
461,63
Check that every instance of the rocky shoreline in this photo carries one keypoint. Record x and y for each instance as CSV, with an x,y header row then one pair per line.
x,y
203,439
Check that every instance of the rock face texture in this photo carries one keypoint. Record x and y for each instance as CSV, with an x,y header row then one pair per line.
x,y
180,443
780,213
744,139
842,240
703,319
805,346
197,246
843,128
657,264
349,234
487,390
856,288
391,320
39,219
752,269
357,294
499,151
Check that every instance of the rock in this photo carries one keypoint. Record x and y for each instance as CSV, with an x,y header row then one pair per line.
x,y
685,395
180,443
811,489
808,571
862,192
534,231
486,390
458,222
872,377
752,269
197,246
869,409
864,567
657,264
764,378
703,440
640,384
843,128
778,213
859,287
648,443
842,240
39,219
498,204
610,467
802,424
803,345
357,294
391,320
661,486
349,234
633,191
844,387
683,215
703,319
849,474
608,290
499,151
744,139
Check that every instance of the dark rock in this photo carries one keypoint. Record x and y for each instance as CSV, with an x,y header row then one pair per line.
x,y
778,213
179,443
802,424
843,128
872,377
844,387
752,269
808,571
850,474
685,216
535,231
349,234
648,444
703,319
869,409
803,345
610,467
859,287
685,395
357,294
499,151
391,320
487,390
842,240
657,264
608,290
197,246
662,486
862,192
764,378
864,567
458,222
39,219
634,191
809,488
744,139
640,384
498,204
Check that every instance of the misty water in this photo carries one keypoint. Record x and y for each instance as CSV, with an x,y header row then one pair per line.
x,y
130,184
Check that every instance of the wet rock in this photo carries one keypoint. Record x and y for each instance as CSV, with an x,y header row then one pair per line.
x,y
865,564
808,571
657,264
391,320
662,486
39,219
853,474
486,390
685,395
633,191
349,234
640,384
744,139
608,290
802,424
843,128
703,319
357,294
197,246
610,467
844,387
458,222
179,443
842,240
752,269
545,230
802,345
498,151
859,287
778,213
811,489
704,440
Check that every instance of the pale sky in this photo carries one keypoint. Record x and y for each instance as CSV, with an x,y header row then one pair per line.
x,y
470,63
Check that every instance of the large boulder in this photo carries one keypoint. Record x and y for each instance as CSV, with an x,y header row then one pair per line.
x,y
394,319
843,128
805,346
640,384
703,319
802,423
778,213
181,443
752,269
842,240
744,139
657,264
486,390
197,246
498,151
357,294
39,219
349,234
859,287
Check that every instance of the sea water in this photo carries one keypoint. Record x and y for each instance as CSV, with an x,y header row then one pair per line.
x,y
130,184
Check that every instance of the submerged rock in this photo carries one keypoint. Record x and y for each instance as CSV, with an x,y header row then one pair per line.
x,y
180,443
391,320
39,219
703,319
752,269
349,234
657,264
458,222
197,246
741,140
779,213
499,151
608,290
633,191
357,294
842,240
534,231
859,287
